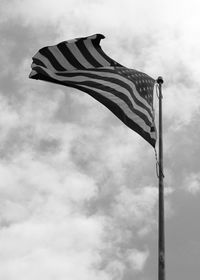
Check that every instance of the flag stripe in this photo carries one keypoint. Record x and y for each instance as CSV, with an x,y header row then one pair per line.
x,y
45,61
76,52
111,83
123,105
101,60
110,61
69,56
37,61
54,62
119,112
113,94
97,86
87,54
107,58
116,79
111,72
61,59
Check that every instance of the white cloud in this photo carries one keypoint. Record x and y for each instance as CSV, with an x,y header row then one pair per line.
x,y
116,269
192,183
49,250
44,225
137,259
137,205
8,117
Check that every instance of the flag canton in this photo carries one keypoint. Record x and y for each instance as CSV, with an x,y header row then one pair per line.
x,y
143,83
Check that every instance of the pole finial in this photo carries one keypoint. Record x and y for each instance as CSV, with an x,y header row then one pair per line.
x,y
160,80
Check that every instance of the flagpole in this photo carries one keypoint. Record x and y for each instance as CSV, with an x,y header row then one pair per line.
x,y
161,225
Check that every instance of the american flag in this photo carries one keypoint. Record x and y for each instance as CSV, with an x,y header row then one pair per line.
x,y
81,63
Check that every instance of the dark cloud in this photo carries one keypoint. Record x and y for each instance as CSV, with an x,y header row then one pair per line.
x,y
182,157
48,146
182,233
19,43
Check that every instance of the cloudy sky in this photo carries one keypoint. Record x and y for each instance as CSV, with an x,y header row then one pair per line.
x,y
78,189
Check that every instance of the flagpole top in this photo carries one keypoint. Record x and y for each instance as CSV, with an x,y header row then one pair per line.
x,y
160,80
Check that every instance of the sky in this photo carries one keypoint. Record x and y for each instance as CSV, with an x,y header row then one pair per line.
x,y
78,189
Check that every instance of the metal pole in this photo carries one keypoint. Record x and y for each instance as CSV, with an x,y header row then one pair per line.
x,y
161,225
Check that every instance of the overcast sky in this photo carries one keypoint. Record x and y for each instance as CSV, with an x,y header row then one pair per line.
x,y
78,189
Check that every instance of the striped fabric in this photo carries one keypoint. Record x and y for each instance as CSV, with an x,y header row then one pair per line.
x,y
82,64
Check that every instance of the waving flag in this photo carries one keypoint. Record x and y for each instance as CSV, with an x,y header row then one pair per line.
x,y
81,63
